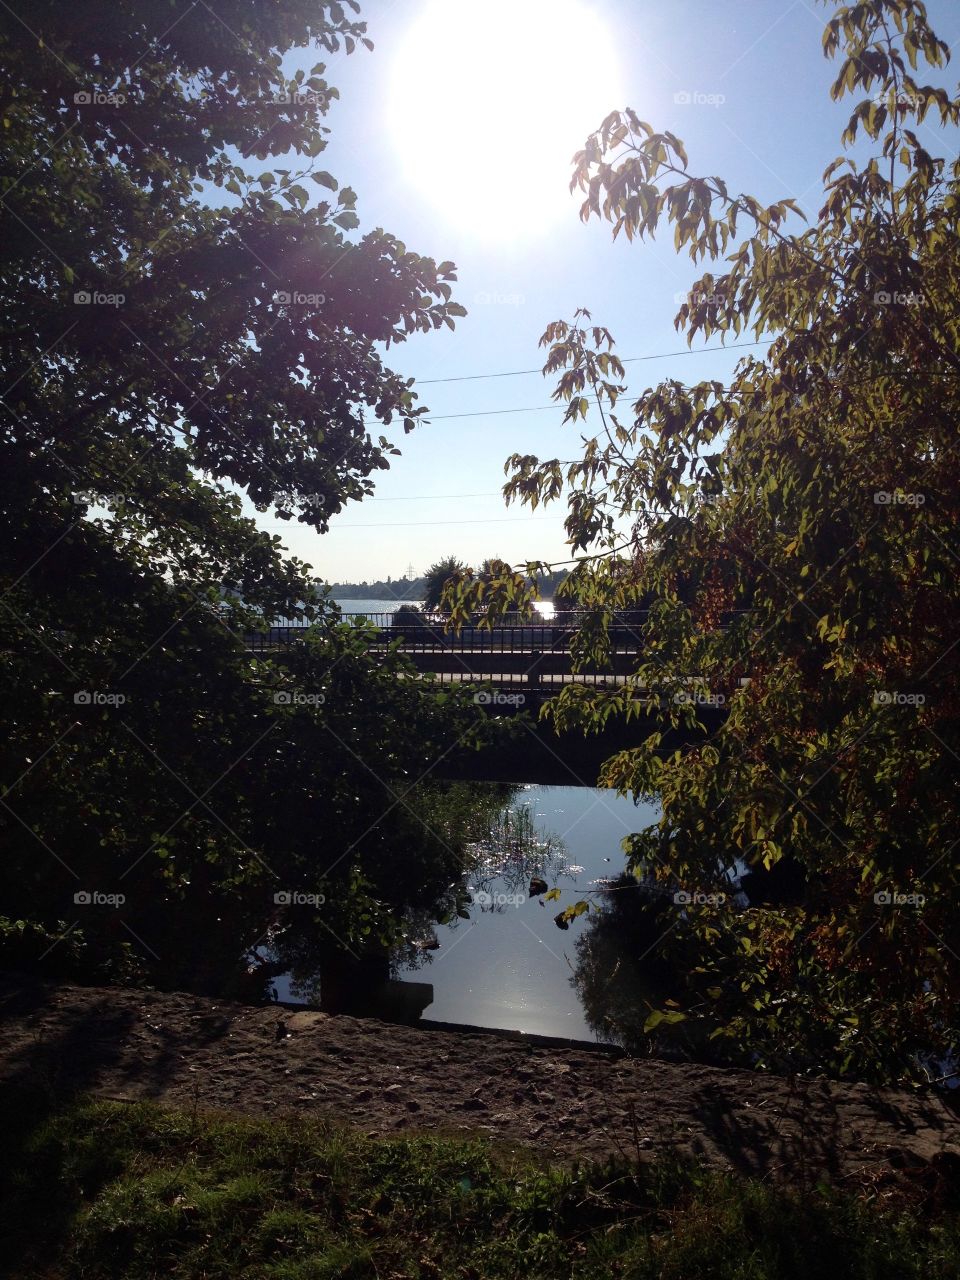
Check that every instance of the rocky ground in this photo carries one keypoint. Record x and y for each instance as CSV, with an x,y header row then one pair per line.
x,y
564,1101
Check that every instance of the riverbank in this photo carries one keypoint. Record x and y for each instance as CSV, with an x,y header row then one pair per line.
x,y
564,1104
114,1191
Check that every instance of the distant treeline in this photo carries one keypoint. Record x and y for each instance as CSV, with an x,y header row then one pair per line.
x,y
392,589
413,588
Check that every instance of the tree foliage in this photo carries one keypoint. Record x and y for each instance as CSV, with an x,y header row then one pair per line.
x,y
182,326
435,579
796,536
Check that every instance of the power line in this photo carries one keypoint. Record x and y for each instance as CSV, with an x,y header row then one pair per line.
x,y
414,497
485,413
540,408
664,355
434,497
489,413
563,404
420,524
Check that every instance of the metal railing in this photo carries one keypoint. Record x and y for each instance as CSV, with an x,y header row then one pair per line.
x,y
430,632
515,652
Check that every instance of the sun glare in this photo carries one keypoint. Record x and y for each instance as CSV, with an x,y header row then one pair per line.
x,y
489,99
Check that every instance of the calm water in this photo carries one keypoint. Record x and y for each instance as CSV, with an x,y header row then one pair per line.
x,y
373,606
509,966
544,607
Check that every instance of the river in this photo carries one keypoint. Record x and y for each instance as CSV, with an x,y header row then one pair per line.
x,y
509,966
544,607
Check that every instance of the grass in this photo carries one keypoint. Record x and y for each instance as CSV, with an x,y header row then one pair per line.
x,y
99,1189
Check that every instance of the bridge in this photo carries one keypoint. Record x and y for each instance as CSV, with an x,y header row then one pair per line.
x,y
517,666
519,655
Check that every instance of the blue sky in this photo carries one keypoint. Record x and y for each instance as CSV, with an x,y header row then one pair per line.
x,y
760,117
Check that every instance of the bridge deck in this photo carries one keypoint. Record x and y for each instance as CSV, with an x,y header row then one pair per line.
x,y
519,655
530,655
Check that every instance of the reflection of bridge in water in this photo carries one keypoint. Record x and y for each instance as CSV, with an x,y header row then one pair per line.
x,y
525,664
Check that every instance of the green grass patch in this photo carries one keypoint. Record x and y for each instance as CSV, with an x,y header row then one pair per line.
x,y
99,1189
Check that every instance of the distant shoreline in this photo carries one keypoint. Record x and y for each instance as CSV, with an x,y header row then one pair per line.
x,y
404,591
411,593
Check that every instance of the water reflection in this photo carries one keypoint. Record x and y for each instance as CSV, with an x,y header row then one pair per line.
x,y
495,957
517,860
621,971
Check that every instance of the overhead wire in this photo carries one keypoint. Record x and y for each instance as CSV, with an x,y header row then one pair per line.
x,y
483,413
663,355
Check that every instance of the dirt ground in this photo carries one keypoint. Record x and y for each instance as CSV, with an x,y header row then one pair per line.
x,y
566,1102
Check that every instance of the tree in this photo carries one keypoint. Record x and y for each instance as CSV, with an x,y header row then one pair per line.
x,y
435,579
809,512
182,325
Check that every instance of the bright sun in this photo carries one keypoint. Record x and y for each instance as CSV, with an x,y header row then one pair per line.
x,y
489,99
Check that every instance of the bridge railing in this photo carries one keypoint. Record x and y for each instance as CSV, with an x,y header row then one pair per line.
x,y
549,635
516,652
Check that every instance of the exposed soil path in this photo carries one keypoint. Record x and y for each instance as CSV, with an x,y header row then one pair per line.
x,y
566,1102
